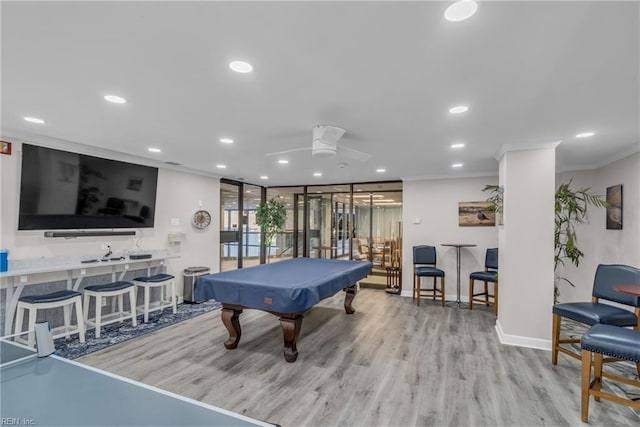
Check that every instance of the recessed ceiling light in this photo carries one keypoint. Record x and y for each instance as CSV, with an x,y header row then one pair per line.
x,y
457,145
241,67
585,134
154,150
381,170
461,10
115,99
221,166
317,174
264,177
226,140
458,109
34,120
283,161
457,165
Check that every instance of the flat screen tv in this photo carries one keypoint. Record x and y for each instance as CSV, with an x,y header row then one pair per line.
x,y
60,190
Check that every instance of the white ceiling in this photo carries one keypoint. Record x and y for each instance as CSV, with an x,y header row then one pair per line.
x,y
387,72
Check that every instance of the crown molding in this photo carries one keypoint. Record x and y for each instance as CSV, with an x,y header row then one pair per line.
x,y
504,148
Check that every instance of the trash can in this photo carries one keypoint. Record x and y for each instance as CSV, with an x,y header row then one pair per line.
x,y
191,274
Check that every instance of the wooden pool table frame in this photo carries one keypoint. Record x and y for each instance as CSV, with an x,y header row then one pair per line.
x,y
291,323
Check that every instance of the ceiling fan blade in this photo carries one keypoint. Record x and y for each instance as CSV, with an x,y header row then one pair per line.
x,y
276,153
327,134
353,154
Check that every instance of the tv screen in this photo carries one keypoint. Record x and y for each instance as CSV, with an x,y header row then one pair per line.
x,y
62,190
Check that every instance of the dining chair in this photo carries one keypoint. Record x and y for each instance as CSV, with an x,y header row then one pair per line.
x,y
597,312
618,343
424,265
489,275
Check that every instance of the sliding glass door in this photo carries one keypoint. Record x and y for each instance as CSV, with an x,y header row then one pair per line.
x,y
239,233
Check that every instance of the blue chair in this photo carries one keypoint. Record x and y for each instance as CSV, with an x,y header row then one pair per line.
x,y
32,303
115,289
606,340
490,274
424,265
168,296
595,312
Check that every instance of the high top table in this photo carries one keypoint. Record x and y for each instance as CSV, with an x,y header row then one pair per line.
x,y
458,302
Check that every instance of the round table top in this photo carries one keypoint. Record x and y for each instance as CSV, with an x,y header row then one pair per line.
x,y
459,245
628,289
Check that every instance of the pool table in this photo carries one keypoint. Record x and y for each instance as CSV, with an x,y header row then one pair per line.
x,y
285,289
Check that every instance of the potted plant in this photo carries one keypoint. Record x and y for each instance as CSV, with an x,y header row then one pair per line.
x,y
570,210
496,198
270,216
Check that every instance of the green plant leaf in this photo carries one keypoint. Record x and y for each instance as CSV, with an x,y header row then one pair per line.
x,y
571,208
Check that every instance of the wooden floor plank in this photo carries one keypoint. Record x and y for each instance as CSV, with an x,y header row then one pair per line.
x,y
389,364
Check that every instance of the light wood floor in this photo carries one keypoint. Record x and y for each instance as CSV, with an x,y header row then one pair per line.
x,y
389,364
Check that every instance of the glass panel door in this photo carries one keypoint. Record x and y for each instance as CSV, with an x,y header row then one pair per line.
x,y
251,231
286,244
230,226
343,229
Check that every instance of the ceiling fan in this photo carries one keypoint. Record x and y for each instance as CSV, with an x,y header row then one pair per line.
x,y
324,144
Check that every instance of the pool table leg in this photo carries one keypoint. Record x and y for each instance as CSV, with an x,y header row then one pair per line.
x,y
231,320
348,299
290,331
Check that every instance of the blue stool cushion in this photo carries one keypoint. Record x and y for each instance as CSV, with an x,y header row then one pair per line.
x,y
485,276
591,313
155,278
613,341
429,272
52,297
108,287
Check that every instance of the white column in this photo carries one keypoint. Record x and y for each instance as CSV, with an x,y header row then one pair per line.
x,y
526,245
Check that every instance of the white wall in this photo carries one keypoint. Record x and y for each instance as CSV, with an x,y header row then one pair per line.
x,y
178,196
526,246
435,204
602,246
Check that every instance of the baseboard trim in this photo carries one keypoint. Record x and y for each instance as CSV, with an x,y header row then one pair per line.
x,y
520,341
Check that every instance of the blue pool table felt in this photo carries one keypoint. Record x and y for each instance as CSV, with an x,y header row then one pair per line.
x,y
290,286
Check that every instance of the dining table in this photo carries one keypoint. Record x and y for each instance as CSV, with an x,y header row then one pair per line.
x,y
458,303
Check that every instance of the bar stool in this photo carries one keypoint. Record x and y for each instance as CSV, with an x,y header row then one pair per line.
x,y
109,290
166,283
63,299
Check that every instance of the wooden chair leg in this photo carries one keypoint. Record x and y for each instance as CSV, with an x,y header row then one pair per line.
x,y
442,283
470,294
486,294
413,295
555,338
80,319
597,374
495,298
586,380
132,306
419,291
434,288
66,311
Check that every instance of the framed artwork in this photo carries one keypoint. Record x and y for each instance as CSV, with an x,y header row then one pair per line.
x,y
6,147
614,211
476,214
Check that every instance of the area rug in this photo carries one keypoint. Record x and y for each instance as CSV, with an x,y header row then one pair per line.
x,y
115,333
